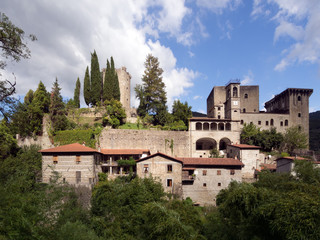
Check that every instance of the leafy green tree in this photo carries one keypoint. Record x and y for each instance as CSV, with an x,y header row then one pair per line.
x,y
96,81
7,142
115,81
76,95
57,109
181,111
115,114
248,134
87,87
29,97
41,98
294,138
152,93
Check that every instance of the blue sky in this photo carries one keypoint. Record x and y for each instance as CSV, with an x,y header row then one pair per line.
x,y
200,44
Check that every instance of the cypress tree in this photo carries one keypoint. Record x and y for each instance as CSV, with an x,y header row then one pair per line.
x,y
87,87
95,79
107,86
41,98
76,96
57,109
115,82
29,97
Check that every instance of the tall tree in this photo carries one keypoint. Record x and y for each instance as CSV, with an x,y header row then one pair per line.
x,y
107,86
76,96
28,97
41,98
95,79
181,111
87,87
115,82
152,93
294,138
57,109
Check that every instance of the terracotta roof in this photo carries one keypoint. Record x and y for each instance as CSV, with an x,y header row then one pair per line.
x,y
208,119
293,158
268,166
188,168
245,146
162,155
124,151
211,161
74,147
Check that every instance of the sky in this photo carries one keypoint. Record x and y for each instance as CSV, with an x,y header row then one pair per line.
x,y
200,44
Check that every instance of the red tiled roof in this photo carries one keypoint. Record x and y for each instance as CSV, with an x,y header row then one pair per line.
x,y
292,158
268,166
211,161
245,146
74,147
162,155
188,168
124,151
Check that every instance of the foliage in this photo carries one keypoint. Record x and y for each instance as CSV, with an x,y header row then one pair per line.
x,y
266,139
28,97
111,89
57,109
87,136
41,98
125,162
181,111
96,80
115,114
115,81
152,93
214,153
76,95
8,144
87,88
294,138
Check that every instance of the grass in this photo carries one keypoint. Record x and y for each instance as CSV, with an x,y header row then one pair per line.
x,y
132,126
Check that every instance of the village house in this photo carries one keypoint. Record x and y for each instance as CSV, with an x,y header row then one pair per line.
x,y
286,164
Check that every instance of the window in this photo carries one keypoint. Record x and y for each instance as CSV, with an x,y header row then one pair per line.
x,y
169,168
232,172
219,116
271,122
204,172
219,184
241,122
169,182
219,108
286,123
244,110
146,168
259,122
64,180
299,114
299,98
55,159
198,126
205,184
235,92
218,172
267,123
246,95
281,123
78,176
78,159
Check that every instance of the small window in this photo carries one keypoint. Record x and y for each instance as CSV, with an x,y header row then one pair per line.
x,y
246,95
205,184
204,172
169,182
235,92
219,108
219,116
299,114
146,168
244,110
286,123
232,172
64,180
241,122
78,159
271,122
218,172
219,184
267,123
299,98
55,159
259,122
169,168
281,123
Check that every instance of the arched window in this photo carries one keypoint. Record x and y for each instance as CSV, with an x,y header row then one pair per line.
x,y
228,127
244,110
213,126
246,95
271,122
198,126
241,122
235,92
299,98
281,123
286,122
221,127
206,126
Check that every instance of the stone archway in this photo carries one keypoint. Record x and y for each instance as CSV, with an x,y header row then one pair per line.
x,y
223,143
206,144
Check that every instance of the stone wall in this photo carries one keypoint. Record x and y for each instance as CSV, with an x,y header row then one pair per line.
x,y
154,140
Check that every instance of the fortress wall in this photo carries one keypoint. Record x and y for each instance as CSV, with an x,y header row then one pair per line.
x,y
147,139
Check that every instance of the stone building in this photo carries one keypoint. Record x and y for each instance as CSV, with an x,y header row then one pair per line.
x,y
75,164
286,164
249,155
201,179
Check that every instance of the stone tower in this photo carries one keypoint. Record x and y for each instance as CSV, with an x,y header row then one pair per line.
x,y
232,109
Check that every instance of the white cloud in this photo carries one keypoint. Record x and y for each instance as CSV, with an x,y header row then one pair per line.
x,y
197,97
68,31
248,78
299,20
218,6
191,54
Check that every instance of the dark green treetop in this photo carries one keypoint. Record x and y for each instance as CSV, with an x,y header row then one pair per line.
x,y
76,96
87,87
96,81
